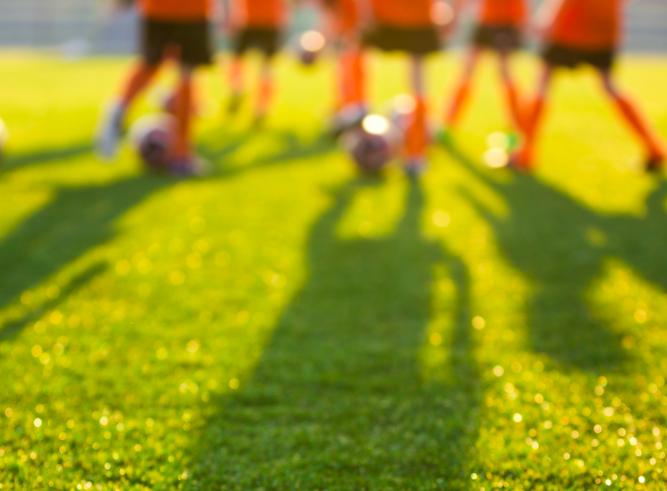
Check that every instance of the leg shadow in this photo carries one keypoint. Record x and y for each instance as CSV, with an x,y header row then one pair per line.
x,y
338,398
52,155
546,236
13,327
77,220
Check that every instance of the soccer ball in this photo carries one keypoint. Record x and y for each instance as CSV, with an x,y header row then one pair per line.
x,y
373,144
153,139
309,47
4,136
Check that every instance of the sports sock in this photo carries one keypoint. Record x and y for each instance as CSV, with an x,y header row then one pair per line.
x,y
456,106
531,129
236,75
352,78
183,115
265,95
139,78
265,89
515,105
416,138
646,132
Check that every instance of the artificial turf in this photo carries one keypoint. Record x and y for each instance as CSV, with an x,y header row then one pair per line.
x,y
286,324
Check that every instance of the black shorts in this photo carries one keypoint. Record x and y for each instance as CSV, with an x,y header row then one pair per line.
x,y
416,41
557,55
192,39
265,39
502,38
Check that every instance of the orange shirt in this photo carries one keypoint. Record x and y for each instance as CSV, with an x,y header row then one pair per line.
x,y
502,12
260,13
346,14
176,10
589,24
403,13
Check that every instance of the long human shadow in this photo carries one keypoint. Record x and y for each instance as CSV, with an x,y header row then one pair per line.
x,y
561,246
338,398
13,326
80,218
75,221
292,148
46,156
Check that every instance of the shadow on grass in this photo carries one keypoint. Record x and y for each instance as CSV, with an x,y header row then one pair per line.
x,y
75,221
221,154
13,327
52,155
81,218
339,399
561,246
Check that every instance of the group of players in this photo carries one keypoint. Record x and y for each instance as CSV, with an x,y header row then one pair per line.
x,y
573,33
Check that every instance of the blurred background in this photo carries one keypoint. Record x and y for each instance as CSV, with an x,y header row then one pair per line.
x,y
104,26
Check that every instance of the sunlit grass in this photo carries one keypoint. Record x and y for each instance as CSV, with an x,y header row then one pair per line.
x,y
284,324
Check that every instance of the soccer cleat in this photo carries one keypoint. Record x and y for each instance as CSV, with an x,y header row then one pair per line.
x,y
443,136
235,103
415,167
347,118
188,167
517,164
654,165
110,131
513,141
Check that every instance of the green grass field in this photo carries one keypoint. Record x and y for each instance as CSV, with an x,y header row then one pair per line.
x,y
284,324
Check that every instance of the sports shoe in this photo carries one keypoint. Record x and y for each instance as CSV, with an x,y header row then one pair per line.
x,y
347,118
110,131
235,103
517,164
188,167
443,136
415,167
654,165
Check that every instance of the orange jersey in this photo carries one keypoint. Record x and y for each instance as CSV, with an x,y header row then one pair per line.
x,y
260,13
589,24
403,13
176,10
346,14
502,12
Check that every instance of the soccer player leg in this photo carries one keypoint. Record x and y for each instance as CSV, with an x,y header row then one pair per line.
x,y
235,74
265,91
351,107
417,138
184,162
154,41
523,159
655,147
511,91
110,129
352,77
235,83
462,92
